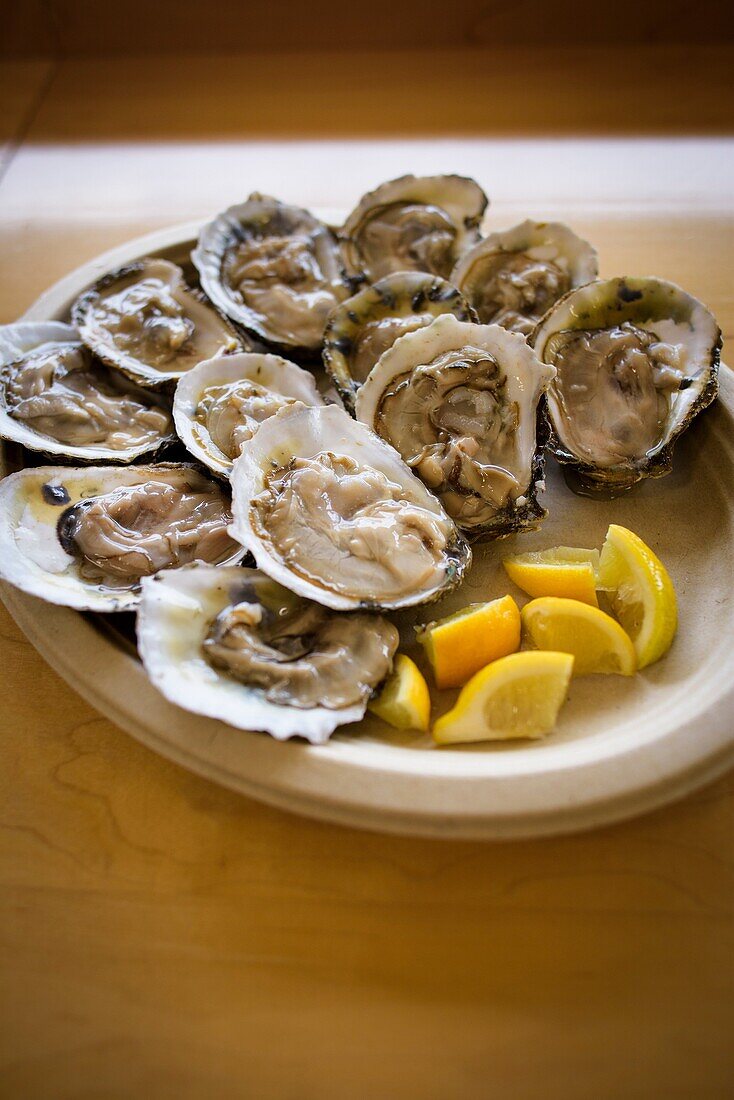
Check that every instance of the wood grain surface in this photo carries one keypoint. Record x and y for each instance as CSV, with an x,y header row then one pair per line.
x,y
162,937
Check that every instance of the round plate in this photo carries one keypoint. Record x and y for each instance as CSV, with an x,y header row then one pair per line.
x,y
622,745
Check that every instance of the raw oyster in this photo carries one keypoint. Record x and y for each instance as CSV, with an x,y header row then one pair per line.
x,y
415,223
334,514
56,398
274,268
636,360
219,404
84,537
459,402
233,644
145,321
367,324
512,278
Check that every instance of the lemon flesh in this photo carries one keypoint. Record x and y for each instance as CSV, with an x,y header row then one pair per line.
x,y
461,644
568,571
596,640
641,593
404,701
516,696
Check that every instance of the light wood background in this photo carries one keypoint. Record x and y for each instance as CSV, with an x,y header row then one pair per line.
x,y
161,937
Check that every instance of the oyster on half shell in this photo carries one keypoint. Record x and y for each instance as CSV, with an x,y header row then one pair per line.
x,y
55,397
332,512
415,223
146,322
459,401
273,268
233,644
511,278
367,324
636,360
85,537
219,405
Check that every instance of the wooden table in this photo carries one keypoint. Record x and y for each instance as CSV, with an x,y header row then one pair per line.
x,y
162,937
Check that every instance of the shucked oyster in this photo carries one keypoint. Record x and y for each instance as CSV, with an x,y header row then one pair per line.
x,y
333,513
636,360
415,223
85,537
460,402
145,321
360,329
234,645
55,397
512,278
274,268
219,404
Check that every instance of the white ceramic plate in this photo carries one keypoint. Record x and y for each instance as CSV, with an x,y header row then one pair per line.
x,y
622,746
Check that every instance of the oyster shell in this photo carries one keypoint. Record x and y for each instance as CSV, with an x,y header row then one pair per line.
x,y
636,360
415,223
220,403
146,322
84,537
362,328
334,514
274,268
233,644
512,278
57,399
459,402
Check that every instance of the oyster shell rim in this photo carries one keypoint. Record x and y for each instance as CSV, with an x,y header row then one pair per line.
x,y
331,354
145,376
81,595
619,478
470,224
246,481
208,263
507,521
183,421
16,431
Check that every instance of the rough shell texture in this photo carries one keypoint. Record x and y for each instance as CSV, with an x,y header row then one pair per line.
x,y
527,379
546,240
35,336
258,219
668,311
461,198
271,372
176,610
306,432
31,555
410,299
213,334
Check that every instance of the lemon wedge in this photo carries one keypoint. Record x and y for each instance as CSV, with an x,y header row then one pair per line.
x,y
641,593
560,571
516,696
461,644
404,701
596,640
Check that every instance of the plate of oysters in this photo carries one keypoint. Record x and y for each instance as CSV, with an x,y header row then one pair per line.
x,y
397,519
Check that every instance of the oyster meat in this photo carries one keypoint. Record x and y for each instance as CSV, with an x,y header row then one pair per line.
x,y
459,401
84,537
274,268
636,361
146,322
415,223
57,398
233,644
332,512
367,324
512,278
219,405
